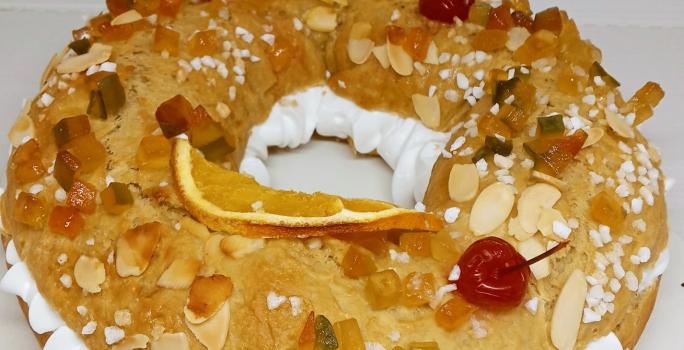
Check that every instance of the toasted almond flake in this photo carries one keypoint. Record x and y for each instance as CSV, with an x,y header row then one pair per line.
x,y
531,202
359,50
464,182
22,128
491,208
136,341
98,53
360,30
321,19
567,313
619,125
432,56
546,219
551,180
399,59
56,58
89,274
134,249
195,228
593,136
180,274
515,230
380,53
213,332
171,341
206,296
529,249
516,38
427,109
237,246
129,16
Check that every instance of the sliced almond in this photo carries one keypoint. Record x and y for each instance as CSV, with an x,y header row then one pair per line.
x,y
515,230
551,180
619,125
464,182
491,208
22,128
516,38
531,202
127,17
546,219
359,50
89,274
214,331
531,248
171,341
399,59
134,249
380,53
237,246
432,56
593,136
427,108
136,341
567,313
223,110
195,228
98,53
206,296
56,58
321,19
180,274
360,30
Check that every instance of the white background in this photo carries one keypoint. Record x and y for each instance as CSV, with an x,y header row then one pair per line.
x,y
641,41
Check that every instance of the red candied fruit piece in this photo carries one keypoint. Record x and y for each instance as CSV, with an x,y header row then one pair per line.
x,y
82,197
500,18
66,221
173,116
445,10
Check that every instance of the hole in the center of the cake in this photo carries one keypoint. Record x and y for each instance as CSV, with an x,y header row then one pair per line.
x,y
330,166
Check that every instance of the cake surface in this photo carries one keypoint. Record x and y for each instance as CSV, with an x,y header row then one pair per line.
x,y
524,114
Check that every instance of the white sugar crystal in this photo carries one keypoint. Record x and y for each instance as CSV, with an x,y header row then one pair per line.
x,y
532,305
401,257
631,281
589,316
451,214
89,328
561,230
62,259
65,280
373,346
273,300
644,254
113,335
296,303
455,273
394,336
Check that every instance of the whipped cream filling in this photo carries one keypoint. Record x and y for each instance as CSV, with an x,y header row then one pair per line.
x,y
405,144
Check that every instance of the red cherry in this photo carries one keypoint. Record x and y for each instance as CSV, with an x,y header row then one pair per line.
x,y
445,10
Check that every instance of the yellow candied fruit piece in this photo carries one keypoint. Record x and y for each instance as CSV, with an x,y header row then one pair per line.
x,y
116,198
568,82
357,263
454,313
153,153
166,39
606,210
542,44
415,243
443,248
204,43
29,210
349,335
88,150
490,40
418,289
383,289
26,163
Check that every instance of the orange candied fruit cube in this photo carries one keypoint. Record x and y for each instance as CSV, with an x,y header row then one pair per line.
x,y
166,39
307,338
349,335
66,221
88,150
500,18
423,345
553,154
417,42
490,40
454,313
82,197
549,19
443,248
415,243
29,210
153,153
173,116
99,24
418,289
541,44
357,262
121,32
568,82
521,19
146,7
607,210
651,93
70,128
26,163
116,198
170,8
282,53
117,7
514,117
383,289
66,166
204,43
491,126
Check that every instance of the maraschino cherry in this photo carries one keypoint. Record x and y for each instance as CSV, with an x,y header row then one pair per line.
x,y
445,10
494,275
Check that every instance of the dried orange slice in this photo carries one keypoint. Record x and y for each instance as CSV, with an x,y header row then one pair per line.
x,y
228,201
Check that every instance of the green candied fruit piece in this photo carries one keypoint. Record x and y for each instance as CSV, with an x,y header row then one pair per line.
x,y
551,125
80,46
325,335
70,128
481,153
96,107
112,92
122,194
498,146
597,70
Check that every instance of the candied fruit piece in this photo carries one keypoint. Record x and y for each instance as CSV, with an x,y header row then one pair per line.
x,y
170,8
418,289
443,248
383,289
166,39
66,166
514,117
415,243
27,164
499,146
523,92
500,18
82,197
490,40
491,126
553,154
116,198
568,82
493,77
68,129
549,19
597,70
644,100
29,210
376,243
325,335
416,43
357,263
153,153
117,7
173,115
208,136
80,46
146,7
121,32
66,221
99,24
445,10
96,107
521,19
423,345
479,13
112,93
607,210
349,335
307,338
89,151
551,125
454,313
395,34
541,44
204,43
